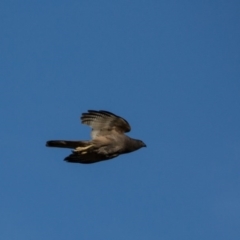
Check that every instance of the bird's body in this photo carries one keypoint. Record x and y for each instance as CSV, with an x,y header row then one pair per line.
x,y
108,139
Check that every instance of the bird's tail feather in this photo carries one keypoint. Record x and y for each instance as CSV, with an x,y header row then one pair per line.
x,y
66,144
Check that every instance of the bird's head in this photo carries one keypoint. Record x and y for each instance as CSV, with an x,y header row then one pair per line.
x,y
141,144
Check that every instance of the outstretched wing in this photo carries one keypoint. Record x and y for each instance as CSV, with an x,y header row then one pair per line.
x,y
104,120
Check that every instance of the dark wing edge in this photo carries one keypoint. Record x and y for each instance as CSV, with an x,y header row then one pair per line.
x,y
107,119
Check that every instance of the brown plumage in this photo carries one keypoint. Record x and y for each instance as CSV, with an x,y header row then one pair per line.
x,y
108,139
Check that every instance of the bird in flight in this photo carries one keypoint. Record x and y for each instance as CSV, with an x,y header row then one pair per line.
x,y
108,139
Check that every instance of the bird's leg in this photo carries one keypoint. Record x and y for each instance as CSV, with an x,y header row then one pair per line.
x,y
82,149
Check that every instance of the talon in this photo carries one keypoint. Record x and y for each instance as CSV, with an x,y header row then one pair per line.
x,y
80,149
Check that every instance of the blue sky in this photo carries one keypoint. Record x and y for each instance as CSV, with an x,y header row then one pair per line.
x,y
171,68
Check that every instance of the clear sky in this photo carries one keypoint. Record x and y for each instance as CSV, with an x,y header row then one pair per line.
x,y
171,68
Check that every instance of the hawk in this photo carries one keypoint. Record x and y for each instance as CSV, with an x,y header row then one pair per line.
x,y
108,139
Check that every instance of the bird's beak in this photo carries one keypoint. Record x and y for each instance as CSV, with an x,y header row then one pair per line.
x,y
145,145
